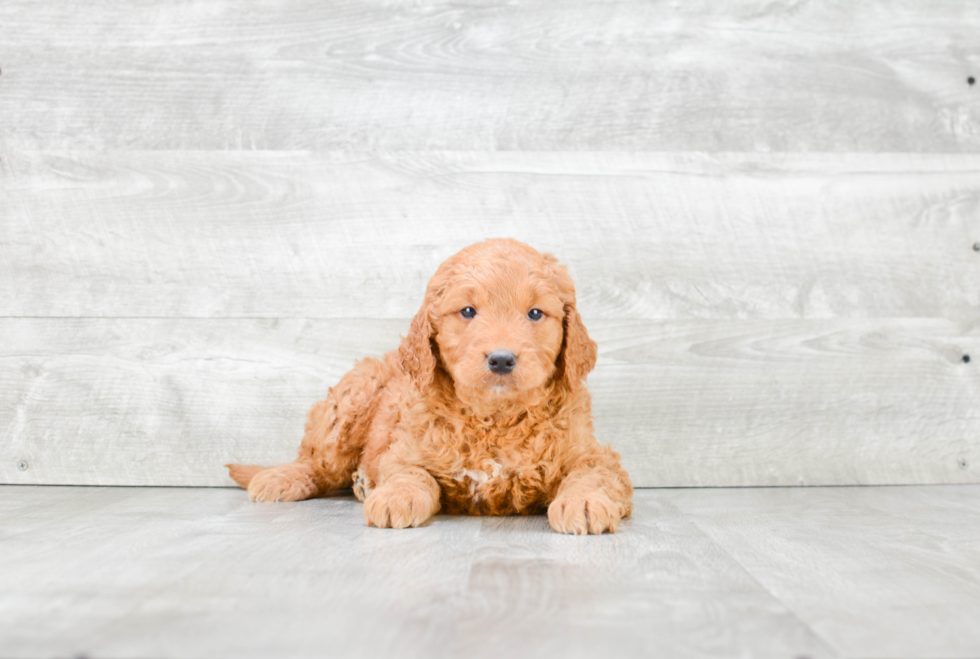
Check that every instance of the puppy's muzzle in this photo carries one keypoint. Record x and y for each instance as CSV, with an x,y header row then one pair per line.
x,y
501,362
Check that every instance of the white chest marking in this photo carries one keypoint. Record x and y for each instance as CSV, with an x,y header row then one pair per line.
x,y
478,478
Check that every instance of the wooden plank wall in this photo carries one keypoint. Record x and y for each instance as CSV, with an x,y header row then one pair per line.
x,y
209,210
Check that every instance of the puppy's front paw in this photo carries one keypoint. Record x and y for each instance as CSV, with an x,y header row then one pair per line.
x,y
580,513
397,506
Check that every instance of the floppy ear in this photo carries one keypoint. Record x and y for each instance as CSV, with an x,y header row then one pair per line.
x,y
418,352
415,351
578,351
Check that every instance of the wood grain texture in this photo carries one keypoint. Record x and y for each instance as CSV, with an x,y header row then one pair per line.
x,y
891,572
208,211
527,75
696,403
170,573
652,236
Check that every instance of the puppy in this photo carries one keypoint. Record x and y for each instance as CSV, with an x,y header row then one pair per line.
x,y
482,410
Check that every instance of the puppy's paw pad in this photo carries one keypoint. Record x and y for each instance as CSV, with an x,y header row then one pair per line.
x,y
581,514
397,507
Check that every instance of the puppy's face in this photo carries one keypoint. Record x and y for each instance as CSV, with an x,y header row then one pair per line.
x,y
499,327
500,318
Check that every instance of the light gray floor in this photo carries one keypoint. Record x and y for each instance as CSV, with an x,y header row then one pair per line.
x,y
808,572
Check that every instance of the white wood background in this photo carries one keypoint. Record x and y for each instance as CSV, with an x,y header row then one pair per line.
x,y
208,211
522,75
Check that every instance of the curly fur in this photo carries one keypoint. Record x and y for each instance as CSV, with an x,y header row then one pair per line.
x,y
429,427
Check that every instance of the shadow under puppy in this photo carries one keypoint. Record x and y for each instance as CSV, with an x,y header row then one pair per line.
x,y
482,410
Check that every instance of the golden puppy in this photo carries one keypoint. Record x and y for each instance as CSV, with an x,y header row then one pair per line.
x,y
482,410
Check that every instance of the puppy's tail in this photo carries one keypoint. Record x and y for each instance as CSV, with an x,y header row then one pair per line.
x,y
243,474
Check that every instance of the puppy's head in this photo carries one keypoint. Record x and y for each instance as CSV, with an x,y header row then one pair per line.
x,y
500,319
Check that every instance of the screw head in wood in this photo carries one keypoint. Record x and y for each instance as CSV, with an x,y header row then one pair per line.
x,y
22,465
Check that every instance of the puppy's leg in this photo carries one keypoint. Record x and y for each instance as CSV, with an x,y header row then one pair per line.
x,y
407,497
288,482
336,429
294,481
592,498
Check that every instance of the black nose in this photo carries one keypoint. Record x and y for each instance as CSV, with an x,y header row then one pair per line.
x,y
501,362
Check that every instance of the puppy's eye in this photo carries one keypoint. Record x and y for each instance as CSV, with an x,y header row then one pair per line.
x,y
468,312
535,314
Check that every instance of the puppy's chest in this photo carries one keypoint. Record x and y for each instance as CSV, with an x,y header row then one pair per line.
x,y
494,483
